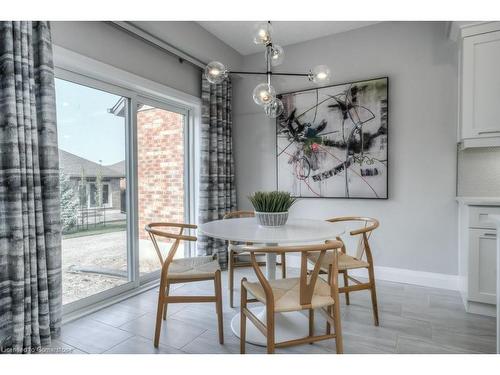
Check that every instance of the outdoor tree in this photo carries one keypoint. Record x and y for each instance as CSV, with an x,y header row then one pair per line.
x,y
98,184
82,192
69,204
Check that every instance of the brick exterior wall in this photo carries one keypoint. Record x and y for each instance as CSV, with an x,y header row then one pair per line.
x,y
160,164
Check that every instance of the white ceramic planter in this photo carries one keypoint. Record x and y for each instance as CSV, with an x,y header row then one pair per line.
x,y
271,219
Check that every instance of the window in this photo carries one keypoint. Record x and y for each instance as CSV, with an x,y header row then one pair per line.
x,y
105,195
93,191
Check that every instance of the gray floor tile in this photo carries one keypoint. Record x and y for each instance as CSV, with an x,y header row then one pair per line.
x,y
204,316
451,318
467,342
389,323
208,343
141,345
174,333
452,302
416,346
117,315
389,303
92,336
59,347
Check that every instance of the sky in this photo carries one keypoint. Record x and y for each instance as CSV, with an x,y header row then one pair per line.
x,y
85,128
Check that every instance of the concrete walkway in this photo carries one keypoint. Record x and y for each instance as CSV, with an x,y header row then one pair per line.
x,y
107,251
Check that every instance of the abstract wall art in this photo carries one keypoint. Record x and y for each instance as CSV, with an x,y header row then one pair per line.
x,y
332,142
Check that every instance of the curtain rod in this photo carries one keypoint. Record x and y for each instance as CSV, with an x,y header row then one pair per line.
x,y
140,34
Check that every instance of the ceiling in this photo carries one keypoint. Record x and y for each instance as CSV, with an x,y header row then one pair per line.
x,y
238,34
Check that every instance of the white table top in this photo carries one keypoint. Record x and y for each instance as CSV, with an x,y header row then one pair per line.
x,y
295,230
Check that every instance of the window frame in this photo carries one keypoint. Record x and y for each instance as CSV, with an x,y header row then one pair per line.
x,y
79,69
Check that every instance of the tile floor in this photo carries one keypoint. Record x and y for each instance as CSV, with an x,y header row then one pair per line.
x,y
412,320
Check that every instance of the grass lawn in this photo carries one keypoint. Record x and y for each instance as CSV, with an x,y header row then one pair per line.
x,y
115,226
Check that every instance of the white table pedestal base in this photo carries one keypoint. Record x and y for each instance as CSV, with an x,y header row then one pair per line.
x,y
288,326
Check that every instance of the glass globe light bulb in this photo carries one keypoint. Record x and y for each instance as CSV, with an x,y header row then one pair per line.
x,y
262,33
274,109
277,55
263,94
320,74
215,72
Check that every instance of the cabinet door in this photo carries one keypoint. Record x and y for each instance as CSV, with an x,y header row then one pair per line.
x,y
482,265
481,86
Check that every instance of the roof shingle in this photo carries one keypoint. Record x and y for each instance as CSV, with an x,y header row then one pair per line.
x,y
72,166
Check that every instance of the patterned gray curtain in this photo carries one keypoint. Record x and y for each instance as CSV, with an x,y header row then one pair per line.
x,y
217,186
30,237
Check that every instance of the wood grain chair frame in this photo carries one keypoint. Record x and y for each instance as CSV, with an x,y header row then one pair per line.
x,y
235,256
183,270
362,259
307,292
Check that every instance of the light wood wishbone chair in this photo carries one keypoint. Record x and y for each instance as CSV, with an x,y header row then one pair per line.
x,y
362,259
183,270
240,259
307,292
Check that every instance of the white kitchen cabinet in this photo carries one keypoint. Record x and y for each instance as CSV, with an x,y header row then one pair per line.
x,y
480,86
477,254
482,265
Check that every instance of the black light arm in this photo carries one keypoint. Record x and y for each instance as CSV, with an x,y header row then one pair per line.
x,y
272,73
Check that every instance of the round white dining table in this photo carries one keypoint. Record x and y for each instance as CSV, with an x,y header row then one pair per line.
x,y
288,325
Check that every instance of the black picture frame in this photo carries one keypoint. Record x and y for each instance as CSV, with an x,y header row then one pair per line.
x,y
387,138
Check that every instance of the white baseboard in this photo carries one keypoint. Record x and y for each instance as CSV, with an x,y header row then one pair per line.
x,y
481,308
401,275
405,276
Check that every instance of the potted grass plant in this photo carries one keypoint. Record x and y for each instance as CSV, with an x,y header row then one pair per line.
x,y
271,207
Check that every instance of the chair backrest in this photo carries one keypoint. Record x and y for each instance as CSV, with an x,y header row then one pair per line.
x,y
161,230
307,280
238,214
367,226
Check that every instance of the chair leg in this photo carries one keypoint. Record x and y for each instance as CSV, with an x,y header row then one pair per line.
x,y
371,275
270,330
218,305
338,330
231,278
159,310
346,284
328,326
311,323
243,318
167,292
329,308
283,266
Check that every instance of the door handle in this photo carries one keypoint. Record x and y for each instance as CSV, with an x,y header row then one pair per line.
x,y
489,234
488,131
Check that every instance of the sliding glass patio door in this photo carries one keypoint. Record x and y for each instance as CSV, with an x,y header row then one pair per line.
x,y
126,160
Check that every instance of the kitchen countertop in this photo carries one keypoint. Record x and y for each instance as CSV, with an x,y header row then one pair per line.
x,y
479,201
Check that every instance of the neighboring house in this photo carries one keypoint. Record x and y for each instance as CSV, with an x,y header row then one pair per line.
x,y
113,180
160,164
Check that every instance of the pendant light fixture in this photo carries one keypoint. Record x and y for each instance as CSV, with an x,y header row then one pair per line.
x,y
264,93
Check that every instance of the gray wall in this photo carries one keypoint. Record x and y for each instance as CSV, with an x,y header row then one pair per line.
x,y
419,222
104,42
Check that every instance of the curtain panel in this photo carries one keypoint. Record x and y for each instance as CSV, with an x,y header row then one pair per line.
x,y
217,194
30,229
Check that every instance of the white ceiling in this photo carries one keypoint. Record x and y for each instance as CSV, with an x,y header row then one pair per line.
x,y
238,34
